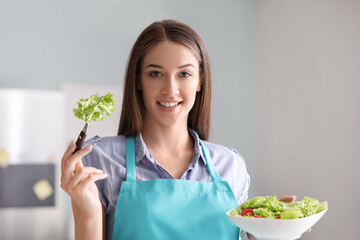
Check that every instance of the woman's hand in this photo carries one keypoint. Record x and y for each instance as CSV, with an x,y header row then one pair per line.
x,y
286,198
79,181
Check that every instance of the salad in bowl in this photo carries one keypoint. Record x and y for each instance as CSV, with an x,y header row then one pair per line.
x,y
267,218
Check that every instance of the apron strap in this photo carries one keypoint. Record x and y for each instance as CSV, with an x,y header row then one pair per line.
x,y
210,165
130,159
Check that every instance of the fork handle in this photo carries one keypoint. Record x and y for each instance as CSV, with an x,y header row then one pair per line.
x,y
80,141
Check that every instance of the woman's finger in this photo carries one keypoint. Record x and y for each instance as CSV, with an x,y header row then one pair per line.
x,y
68,165
79,164
82,173
90,179
286,198
69,151
82,152
77,182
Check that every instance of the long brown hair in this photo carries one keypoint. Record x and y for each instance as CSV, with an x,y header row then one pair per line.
x,y
133,110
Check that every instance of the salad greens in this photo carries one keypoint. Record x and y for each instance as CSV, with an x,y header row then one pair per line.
x,y
94,107
270,207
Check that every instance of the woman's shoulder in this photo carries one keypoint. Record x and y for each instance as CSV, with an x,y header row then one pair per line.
x,y
217,150
221,150
105,140
231,167
109,148
107,143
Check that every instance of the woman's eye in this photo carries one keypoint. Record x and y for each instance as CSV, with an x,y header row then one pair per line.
x,y
185,74
155,74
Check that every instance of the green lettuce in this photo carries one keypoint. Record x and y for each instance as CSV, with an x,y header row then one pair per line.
x,y
292,213
264,212
270,207
321,207
253,203
94,107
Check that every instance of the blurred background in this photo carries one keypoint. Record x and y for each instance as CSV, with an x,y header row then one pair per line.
x,y
286,78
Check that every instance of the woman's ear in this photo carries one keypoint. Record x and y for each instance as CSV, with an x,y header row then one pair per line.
x,y
200,83
199,87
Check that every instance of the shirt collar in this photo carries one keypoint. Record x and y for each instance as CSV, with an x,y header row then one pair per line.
x,y
198,152
141,150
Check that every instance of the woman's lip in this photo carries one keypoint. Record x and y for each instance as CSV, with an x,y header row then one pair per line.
x,y
169,103
168,106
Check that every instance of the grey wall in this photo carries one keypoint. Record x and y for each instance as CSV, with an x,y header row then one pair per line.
x,y
308,107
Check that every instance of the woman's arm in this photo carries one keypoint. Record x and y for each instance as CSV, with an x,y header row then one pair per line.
x,y
89,227
79,182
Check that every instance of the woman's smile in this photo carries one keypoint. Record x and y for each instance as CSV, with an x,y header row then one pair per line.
x,y
169,106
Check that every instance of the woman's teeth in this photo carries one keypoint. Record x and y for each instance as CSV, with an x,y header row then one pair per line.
x,y
169,104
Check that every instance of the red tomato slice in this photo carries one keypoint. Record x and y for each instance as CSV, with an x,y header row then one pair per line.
x,y
278,217
258,216
247,212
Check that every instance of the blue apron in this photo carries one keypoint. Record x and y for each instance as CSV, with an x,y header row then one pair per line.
x,y
172,208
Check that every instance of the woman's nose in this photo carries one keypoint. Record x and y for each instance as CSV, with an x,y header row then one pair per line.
x,y
170,86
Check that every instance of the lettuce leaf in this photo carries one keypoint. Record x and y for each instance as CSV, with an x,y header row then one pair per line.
x,y
264,212
94,108
291,213
253,203
270,207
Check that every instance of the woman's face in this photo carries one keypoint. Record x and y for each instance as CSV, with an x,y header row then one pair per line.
x,y
170,78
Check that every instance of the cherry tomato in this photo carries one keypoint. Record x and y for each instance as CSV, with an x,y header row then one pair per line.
x,y
247,212
278,217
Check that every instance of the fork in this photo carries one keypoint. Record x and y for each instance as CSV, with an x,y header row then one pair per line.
x,y
82,136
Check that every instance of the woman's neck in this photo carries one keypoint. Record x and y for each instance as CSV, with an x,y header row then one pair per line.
x,y
172,147
167,140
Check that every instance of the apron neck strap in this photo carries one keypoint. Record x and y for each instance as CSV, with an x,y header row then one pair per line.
x,y
130,161
209,163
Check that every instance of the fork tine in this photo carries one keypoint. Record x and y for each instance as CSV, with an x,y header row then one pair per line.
x,y
99,99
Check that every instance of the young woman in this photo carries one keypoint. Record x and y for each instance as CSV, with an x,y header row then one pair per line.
x,y
159,178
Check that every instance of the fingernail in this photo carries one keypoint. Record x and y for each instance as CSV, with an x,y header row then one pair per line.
x,y
89,147
100,171
71,143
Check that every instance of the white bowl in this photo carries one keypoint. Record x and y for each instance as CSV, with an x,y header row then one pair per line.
x,y
275,229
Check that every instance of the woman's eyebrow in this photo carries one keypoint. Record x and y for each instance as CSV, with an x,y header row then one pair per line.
x,y
187,65
182,66
154,66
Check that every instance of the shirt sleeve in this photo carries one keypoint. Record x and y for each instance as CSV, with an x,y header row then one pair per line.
x,y
94,159
242,179
243,195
